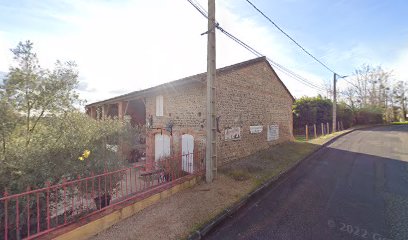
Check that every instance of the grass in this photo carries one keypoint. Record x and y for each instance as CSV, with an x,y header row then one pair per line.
x,y
239,174
268,164
400,123
300,138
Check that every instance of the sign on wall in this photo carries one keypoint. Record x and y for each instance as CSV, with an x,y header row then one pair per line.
x,y
273,132
233,133
255,129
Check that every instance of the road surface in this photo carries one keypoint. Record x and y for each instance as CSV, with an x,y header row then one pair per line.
x,y
355,188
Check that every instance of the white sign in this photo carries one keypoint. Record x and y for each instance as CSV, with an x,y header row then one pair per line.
x,y
273,132
255,129
233,133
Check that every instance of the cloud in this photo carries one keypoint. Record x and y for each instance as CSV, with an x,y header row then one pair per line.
x,y
131,45
400,70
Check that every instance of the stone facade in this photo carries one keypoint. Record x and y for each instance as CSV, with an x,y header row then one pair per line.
x,y
251,96
184,108
247,94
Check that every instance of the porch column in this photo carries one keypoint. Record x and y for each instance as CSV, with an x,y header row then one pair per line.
x,y
93,112
104,111
121,109
149,151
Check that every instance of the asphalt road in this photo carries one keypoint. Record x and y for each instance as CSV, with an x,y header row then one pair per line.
x,y
355,188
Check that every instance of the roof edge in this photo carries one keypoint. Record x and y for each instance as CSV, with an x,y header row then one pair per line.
x,y
190,79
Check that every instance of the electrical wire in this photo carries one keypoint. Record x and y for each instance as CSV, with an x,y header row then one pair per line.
x,y
199,8
273,63
283,69
287,35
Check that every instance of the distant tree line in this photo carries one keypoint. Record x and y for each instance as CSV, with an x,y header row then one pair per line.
x,y
372,97
317,110
373,90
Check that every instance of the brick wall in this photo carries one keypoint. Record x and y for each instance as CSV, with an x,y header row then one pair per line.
x,y
251,96
185,107
246,96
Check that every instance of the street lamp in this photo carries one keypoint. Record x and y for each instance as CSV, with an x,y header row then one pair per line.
x,y
334,124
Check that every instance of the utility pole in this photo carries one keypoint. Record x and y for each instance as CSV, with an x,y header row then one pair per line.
x,y
334,103
211,155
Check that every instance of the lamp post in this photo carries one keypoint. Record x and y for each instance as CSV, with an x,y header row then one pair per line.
x,y
335,75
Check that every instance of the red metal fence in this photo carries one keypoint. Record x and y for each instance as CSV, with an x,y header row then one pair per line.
x,y
36,212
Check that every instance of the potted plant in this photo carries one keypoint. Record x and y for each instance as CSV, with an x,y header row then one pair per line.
x,y
102,184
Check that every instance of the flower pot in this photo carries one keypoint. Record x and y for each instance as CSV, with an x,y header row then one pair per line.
x,y
102,201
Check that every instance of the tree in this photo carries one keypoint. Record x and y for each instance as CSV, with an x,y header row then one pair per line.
x,y
369,87
45,139
42,134
401,97
311,110
370,95
36,92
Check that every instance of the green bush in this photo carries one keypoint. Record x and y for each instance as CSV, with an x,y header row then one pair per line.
x,y
54,151
42,134
400,123
369,115
311,110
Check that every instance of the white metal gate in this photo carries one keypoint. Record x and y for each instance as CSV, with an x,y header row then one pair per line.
x,y
187,148
161,146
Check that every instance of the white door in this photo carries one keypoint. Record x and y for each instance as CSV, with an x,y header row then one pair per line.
x,y
187,149
161,146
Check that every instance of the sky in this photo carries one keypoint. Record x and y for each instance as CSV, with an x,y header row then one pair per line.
x,y
123,46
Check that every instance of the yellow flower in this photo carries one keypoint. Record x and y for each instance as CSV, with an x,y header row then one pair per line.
x,y
81,158
86,153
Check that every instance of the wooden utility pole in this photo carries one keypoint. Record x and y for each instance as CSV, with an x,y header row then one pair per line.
x,y
211,154
307,133
314,129
322,129
334,103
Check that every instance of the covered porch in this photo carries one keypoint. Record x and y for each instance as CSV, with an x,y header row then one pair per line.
x,y
133,148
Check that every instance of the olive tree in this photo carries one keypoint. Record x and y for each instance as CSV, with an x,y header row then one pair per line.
x,y
42,134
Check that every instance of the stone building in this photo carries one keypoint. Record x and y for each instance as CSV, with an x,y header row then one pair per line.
x,y
254,111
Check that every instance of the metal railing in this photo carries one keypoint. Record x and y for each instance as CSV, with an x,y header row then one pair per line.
x,y
39,211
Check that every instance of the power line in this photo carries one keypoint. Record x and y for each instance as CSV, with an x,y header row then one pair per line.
x,y
275,64
285,70
293,40
199,8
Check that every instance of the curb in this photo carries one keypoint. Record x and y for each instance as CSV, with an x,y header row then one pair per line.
x,y
202,232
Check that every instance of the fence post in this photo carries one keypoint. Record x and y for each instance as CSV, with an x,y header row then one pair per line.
x,y
322,129
307,133
48,204
342,125
314,129
338,126
64,186
5,215
328,128
28,211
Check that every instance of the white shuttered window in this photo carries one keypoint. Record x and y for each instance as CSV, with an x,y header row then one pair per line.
x,y
159,105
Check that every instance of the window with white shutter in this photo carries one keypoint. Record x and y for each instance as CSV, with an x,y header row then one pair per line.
x,y
159,105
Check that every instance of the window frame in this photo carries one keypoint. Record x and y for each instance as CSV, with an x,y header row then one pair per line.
x,y
159,106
